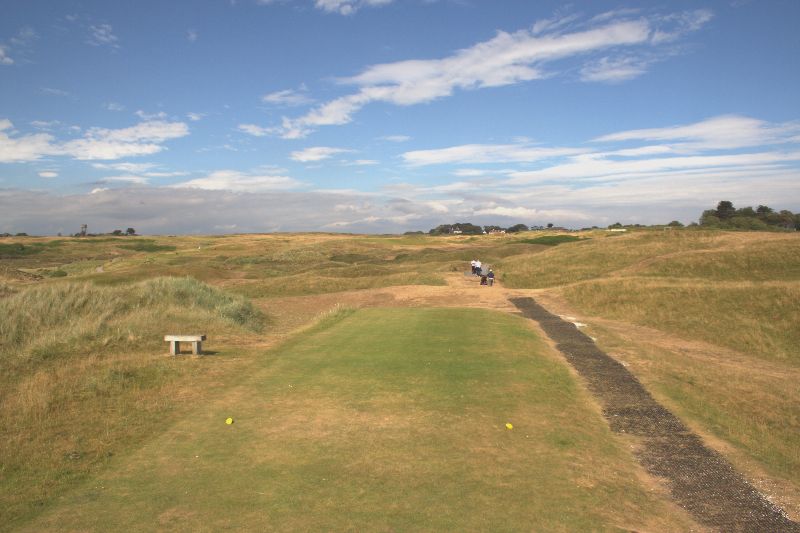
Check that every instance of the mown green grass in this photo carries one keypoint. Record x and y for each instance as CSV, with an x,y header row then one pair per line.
x,y
383,420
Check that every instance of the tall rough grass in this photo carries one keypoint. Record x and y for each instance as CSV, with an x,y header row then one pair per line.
x,y
83,375
756,320
67,312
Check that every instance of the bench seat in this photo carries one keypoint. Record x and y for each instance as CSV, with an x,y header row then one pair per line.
x,y
176,340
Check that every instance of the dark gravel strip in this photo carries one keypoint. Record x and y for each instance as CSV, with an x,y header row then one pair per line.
x,y
701,480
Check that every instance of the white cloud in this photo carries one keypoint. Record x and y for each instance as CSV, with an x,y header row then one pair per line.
x,y
348,7
396,138
98,143
151,116
486,153
365,162
5,59
506,59
614,70
51,91
254,130
191,35
133,180
44,124
316,153
722,132
153,130
133,168
20,44
288,97
114,106
48,174
232,180
677,25
102,35
22,148
194,117
527,213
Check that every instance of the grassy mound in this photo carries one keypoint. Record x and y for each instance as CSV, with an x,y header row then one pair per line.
x,y
83,374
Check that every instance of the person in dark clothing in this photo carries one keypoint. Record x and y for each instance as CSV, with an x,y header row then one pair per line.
x,y
490,275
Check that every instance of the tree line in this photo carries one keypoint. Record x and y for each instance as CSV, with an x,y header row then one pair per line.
x,y
763,217
467,228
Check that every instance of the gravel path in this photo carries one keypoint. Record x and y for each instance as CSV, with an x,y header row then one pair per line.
x,y
701,480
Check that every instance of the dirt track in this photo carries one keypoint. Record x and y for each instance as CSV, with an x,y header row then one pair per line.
x,y
701,480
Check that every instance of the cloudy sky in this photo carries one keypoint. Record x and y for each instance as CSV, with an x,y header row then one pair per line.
x,y
220,116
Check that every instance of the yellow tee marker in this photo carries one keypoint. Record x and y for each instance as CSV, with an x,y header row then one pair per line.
x,y
229,421
509,426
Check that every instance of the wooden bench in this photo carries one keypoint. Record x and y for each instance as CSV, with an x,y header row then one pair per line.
x,y
176,340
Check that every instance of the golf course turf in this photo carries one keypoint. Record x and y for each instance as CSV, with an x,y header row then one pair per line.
x,y
383,419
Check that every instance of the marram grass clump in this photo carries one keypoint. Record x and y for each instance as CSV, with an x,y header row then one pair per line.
x,y
45,320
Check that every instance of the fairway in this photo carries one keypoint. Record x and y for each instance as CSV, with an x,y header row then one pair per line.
x,y
383,419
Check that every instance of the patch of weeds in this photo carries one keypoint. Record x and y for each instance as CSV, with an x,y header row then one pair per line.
x,y
552,240
351,258
148,246
17,249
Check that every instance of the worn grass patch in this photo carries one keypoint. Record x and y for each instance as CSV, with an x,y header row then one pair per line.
x,y
383,420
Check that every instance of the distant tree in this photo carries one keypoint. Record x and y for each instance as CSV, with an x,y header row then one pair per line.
x,y
468,229
22,235
611,226
516,228
130,231
746,212
116,232
549,225
441,229
725,210
709,218
787,219
489,229
762,211
675,224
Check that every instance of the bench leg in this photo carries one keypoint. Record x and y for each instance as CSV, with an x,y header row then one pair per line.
x,y
174,347
197,348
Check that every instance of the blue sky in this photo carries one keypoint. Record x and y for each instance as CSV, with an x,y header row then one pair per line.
x,y
222,116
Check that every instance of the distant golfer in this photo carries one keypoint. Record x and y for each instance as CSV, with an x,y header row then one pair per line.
x,y
473,263
477,268
490,275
